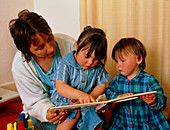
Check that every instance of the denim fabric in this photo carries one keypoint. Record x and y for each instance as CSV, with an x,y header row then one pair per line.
x,y
42,125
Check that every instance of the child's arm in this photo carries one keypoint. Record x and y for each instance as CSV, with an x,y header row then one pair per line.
x,y
158,100
67,91
111,91
98,90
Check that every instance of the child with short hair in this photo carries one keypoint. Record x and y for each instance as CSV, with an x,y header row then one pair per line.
x,y
145,112
81,76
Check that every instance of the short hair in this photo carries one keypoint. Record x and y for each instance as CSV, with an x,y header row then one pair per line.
x,y
24,29
130,45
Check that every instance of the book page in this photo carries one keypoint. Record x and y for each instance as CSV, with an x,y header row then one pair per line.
x,y
102,103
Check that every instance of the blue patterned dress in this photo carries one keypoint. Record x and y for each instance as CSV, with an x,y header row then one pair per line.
x,y
73,74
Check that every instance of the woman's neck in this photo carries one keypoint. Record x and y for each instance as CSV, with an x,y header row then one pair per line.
x,y
45,63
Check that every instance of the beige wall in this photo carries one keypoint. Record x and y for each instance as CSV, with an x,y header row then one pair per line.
x,y
62,16
9,10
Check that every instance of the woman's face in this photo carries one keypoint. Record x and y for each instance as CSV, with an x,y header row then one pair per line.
x,y
44,46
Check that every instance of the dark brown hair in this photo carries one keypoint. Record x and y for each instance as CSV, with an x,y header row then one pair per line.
x,y
24,29
93,39
130,45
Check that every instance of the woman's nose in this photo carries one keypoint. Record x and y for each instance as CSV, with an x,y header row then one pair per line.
x,y
90,61
50,48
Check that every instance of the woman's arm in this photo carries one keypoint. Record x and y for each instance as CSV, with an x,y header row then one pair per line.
x,y
33,93
35,99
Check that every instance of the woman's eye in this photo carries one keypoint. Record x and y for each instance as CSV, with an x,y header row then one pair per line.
x,y
96,59
41,47
50,38
86,56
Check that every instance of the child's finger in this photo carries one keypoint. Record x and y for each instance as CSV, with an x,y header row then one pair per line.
x,y
92,99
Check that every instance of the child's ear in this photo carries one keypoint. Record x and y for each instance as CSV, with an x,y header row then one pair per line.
x,y
76,46
139,59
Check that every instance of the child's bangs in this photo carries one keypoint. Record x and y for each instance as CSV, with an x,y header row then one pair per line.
x,y
98,44
119,54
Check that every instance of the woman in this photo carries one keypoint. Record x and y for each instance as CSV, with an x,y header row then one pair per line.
x,y
35,61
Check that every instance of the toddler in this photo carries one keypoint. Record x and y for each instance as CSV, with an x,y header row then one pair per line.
x,y
145,112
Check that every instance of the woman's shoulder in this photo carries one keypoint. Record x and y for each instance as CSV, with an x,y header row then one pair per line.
x,y
64,37
18,59
19,63
65,43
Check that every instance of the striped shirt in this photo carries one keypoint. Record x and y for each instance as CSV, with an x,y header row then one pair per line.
x,y
136,114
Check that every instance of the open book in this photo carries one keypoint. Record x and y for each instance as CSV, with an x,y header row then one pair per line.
x,y
102,103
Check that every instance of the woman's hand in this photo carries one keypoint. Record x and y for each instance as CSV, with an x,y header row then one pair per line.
x,y
150,99
56,116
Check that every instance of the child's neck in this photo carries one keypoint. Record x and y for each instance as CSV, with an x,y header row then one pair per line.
x,y
135,72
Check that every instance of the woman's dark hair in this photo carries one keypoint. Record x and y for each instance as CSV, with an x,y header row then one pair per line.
x,y
93,39
130,45
24,29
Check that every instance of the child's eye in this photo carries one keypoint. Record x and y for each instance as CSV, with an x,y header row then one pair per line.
x,y
123,60
116,61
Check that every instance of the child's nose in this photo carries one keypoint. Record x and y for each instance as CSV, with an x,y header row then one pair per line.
x,y
118,64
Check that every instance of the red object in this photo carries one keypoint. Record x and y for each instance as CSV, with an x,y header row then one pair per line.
x,y
11,100
20,125
9,112
128,111
127,81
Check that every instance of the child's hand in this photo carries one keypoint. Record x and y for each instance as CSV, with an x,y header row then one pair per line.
x,y
150,99
74,102
103,109
106,108
123,95
86,98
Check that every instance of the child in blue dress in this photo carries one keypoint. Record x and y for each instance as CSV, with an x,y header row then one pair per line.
x,y
81,76
144,113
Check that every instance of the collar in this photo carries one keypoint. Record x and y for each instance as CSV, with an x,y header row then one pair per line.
x,y
138,76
